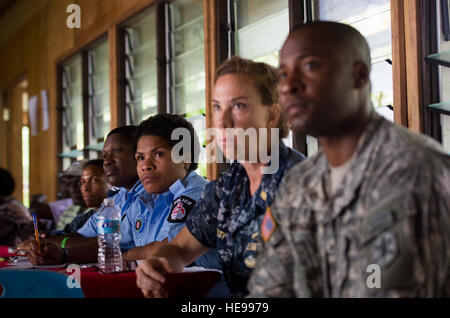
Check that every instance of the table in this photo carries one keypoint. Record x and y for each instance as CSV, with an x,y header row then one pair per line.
x,y
96,284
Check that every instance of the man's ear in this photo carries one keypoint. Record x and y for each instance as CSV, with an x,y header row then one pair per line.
x,y
274,115
361,74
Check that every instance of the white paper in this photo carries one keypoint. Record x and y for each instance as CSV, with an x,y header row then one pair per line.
x,y
45,112
196,269
193,269
32,113
24,263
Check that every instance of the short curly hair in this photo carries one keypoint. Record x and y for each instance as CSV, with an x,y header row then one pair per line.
x,y
7,183
162,125
127,132
265,79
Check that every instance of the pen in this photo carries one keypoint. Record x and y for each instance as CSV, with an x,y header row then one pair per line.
x,y
36,232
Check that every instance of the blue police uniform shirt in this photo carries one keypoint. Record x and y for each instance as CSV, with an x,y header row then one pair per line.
x,y
228,218
124,200
152,217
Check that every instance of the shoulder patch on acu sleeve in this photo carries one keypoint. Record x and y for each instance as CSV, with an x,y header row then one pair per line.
x,y
385,249
268,225
180,209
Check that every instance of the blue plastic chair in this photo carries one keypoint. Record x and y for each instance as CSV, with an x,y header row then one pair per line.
x,y
17,283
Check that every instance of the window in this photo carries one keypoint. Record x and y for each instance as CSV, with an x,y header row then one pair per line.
x,y
187,67
84,98
253,18
98,91
373,19
72,111
186,57
256,18
163,64
141,73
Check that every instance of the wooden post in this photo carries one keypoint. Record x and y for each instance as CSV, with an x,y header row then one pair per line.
x,y
113,76
413,49
398,62
209,10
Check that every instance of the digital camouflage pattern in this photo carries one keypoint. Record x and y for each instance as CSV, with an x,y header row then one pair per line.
x,y
228,218
391,209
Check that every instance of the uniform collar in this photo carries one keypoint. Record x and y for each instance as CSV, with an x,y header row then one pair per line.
x,y
88,210
346,192
266,191
137,187
113,191
179,186
175,190
148,198
256,204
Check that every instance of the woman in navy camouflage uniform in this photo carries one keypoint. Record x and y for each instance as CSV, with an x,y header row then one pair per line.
x,y
229,215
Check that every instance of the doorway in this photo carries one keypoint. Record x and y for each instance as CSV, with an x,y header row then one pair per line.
x,y
15,143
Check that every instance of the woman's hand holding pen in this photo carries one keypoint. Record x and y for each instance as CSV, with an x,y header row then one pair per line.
x,y
47,254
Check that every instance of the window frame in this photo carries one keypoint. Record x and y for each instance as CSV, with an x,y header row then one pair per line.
x,y
170,54
161,60
226,42
86,115
62,110
92,107
401,10
431,86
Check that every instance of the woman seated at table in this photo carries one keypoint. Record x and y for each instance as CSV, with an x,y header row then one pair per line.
x,y
156,216
230,212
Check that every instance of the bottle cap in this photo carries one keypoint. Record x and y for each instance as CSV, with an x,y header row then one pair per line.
x,y
108,201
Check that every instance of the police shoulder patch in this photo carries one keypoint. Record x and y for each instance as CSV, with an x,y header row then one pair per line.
x,y
268,225
180,209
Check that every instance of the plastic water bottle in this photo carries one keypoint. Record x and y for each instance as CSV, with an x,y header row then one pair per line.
x,y
108,230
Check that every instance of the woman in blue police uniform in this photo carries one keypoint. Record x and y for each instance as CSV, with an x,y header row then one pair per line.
x,y
171,189
176,203
229,215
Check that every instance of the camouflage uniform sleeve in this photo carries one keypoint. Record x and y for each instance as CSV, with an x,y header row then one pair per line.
x,y
272,276
408,237
202,221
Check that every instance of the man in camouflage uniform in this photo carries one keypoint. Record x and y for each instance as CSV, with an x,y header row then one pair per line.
x,y
368,215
